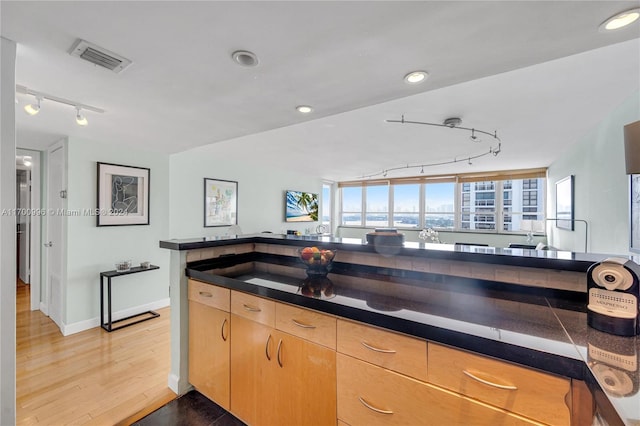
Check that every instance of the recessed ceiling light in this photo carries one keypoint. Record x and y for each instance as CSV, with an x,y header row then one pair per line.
x,y
416,77
620,20
304,109
245,58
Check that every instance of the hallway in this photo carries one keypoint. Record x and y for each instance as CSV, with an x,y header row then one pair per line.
x,y
93,377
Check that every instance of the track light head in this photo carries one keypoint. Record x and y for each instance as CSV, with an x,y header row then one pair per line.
x,y
33,108
81,119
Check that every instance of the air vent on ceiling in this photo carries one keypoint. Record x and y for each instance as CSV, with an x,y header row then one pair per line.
x,y
99,56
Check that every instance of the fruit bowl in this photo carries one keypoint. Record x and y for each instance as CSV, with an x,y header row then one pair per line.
x,y
318,261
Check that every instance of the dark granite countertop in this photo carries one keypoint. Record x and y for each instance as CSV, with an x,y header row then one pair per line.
x,y
548,259
542,332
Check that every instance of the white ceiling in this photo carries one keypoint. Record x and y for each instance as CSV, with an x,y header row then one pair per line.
x,y
538,72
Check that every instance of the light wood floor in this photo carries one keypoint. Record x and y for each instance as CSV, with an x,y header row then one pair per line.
x,y
92,377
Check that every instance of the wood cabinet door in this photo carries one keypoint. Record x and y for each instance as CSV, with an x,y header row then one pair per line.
x,y
253,387
209,345
371,395
305,383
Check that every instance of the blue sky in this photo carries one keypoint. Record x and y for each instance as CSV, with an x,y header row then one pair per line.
x,y
406,197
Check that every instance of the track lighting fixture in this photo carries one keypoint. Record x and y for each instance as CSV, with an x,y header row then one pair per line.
x,y
473,136
451,123
34,108
81,119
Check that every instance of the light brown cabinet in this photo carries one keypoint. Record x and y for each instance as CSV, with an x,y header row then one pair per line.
x,y
393,351
371,395
534,394
271,363
209,342
252,351
278,378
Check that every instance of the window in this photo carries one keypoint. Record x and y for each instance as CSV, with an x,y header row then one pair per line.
x,y
439,200
406,206
497,203
351,203
326,205
377,212
526,202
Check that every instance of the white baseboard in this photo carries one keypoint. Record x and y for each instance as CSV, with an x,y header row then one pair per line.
x,y
173,383
79,326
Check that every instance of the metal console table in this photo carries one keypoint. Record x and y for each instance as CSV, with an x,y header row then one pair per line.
x,y
109,324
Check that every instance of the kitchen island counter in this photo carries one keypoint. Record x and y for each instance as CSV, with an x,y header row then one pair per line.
x,y
541,328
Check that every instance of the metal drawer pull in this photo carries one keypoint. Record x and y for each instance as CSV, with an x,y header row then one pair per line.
x,y
299,324
279,349
384,351
222,330
266,348
488,383
372,408
251,308
205,294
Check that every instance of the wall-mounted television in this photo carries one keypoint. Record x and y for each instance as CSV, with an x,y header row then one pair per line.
x,y
301,206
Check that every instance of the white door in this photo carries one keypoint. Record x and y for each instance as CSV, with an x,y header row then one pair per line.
x,y
56,229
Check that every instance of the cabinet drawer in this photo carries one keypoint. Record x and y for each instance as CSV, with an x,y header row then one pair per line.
x,y
253,308
211,295
370,395
313,326
534,394
390,350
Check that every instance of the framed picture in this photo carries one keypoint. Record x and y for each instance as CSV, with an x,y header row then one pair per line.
x,y
220,202
123,195
634,213
564,203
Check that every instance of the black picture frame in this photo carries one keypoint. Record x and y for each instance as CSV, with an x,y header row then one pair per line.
x,y
634,213
220,202
565,203
122,195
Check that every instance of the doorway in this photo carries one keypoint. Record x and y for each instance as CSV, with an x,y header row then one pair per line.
x,y
28,222
23,219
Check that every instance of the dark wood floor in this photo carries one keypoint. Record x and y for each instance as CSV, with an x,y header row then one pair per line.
x,y
191,409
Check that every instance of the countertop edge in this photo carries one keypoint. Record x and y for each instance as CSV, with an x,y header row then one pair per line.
x,y
568,261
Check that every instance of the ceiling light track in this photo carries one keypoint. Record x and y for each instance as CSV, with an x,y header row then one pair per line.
x,y
452,123
40,95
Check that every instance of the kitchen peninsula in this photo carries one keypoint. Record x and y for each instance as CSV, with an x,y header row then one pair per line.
x,y
513,312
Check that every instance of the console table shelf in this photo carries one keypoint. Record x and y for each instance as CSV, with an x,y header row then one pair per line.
x,y
109,325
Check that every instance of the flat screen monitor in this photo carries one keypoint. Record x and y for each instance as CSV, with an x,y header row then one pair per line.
x,y
301,206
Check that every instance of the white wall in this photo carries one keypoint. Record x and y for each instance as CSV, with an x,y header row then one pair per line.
x,y
601,185
7,234
261,198
92,249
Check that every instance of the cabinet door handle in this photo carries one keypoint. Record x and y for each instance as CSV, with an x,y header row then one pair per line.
x,y
372,408
488,383
384,351
279,350
251,308
205,294
222,330
299,324
266,348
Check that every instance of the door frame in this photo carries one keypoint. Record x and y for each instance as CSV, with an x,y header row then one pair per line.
x,y
46,302
35,235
